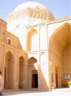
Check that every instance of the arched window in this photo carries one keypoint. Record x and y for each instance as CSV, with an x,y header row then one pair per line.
x,y
8,41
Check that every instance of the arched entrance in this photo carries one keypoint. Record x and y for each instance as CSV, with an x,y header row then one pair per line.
x,y
9,71
58,53
21,72
33,73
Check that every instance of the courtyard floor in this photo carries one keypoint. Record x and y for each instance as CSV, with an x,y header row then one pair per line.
x,y
55,92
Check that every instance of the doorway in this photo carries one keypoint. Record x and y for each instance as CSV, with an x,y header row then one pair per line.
x,y
35,80
56,76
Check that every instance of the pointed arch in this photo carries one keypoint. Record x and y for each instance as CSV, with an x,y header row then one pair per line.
x,y
58,43
29,37
9,70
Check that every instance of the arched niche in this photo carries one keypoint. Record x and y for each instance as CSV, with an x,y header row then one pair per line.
x,y
58,45
30,35
9,71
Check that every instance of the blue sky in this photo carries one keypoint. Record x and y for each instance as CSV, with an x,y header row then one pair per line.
x,y
60,8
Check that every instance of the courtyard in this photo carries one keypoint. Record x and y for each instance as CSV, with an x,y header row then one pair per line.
x,y
35,51
54,92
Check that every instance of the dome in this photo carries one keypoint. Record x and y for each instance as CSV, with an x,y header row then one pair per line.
x,y
25,17
32,10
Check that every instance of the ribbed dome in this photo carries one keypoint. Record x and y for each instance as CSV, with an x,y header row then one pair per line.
x,y
29,5
32,10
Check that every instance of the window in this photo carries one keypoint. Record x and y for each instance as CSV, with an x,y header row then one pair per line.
x,y
8,41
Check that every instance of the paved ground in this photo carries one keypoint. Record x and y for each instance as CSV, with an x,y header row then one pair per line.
x,y
55,92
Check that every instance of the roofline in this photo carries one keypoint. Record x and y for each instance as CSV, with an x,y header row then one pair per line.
x,y
3,21
59,20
